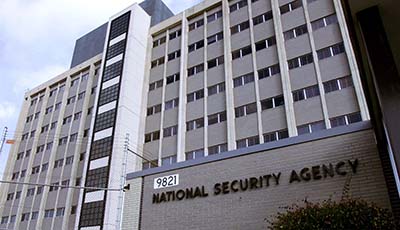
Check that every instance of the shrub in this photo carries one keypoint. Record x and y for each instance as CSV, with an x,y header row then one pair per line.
x,y
345,214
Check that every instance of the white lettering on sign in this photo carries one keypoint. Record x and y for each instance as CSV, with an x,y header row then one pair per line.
x,y
166,181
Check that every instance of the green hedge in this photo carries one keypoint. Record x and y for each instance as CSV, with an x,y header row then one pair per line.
x,y
345,214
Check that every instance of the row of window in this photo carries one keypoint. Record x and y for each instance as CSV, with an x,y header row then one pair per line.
x,y
49,213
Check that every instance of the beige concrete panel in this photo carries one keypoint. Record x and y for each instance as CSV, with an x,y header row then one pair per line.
x,y
308,111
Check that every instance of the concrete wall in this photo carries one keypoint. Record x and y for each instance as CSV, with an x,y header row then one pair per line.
x,y
252,208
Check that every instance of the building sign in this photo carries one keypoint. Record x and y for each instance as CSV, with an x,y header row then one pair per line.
x,y
313,173
166,181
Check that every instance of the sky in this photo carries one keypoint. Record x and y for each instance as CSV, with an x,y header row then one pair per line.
x,y
37,39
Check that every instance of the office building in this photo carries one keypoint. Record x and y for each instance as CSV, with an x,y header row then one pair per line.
x,y
224,93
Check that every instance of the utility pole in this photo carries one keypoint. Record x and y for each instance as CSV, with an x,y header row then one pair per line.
x,y
3,139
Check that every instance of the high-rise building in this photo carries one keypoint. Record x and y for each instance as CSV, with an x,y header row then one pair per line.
x,y
153,91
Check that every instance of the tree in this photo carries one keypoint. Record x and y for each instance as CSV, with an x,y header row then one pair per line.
x,y
344,214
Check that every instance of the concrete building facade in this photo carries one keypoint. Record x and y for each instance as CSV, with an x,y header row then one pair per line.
x,y
219,92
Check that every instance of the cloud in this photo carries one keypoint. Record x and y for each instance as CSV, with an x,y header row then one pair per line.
x,y
7,110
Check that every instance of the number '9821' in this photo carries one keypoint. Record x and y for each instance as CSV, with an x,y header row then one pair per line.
x,y
166,181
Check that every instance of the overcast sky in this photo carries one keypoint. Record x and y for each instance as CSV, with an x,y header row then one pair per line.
x,y
37,38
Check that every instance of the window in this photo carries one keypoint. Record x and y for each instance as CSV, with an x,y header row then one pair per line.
x,y
53,125
306,93
245,110
45,166
175,34
195,124
23,173
300,61
73,210
20,156
159,42
196,46
195,96
30,192
34,215
33,101
4,220
274,136
331,51
82,157
73,137
49,146
10,196
247,142
152,136
324,22
168,160
174,55
54,187
215,62
49,213
338,84
216,118
78,181
241,52
243,80
155,85
345,119
268,72
57,106
215,89
25,217
173,78
93,91
90,110
196,24
40,149
28,153
272,102
18,195
215,38
39,190
53,92
290,6
15,176
32,135
170,131
67,120
77,116
157,62
44,129
171,104
49,110
152,164
81,96
74,81
238,5
70,100
63,141
85,77
29,118
240,27
35,170
64,184
214,16
12,219
295,32
265,43
24,136
69,160
194,154
153,110
37,115
217,149
311,128
58,163
86,133
195,70
262,18
61,88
